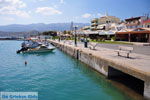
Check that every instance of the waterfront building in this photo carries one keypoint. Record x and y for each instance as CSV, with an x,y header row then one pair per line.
x,y
134,35
135,22
94,24
146,23
103,27
102,23
137,30
86,28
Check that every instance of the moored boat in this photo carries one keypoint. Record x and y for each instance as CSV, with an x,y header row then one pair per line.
x,y
34,47
39,49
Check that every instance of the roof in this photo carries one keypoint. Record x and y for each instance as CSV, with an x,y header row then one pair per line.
x,y
146,21
87,32
133,18
132,24
107,33
135,31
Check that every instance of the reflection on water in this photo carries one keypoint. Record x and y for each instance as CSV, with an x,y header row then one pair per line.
x,y
38,54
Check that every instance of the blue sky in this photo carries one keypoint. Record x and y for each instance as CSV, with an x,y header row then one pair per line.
x,y
59,11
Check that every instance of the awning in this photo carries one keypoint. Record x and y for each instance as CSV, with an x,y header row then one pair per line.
x,y
134,32
106,33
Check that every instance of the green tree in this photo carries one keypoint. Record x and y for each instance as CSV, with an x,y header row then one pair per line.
x,y
51,33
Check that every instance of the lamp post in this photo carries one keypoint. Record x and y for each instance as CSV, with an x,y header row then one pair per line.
x,y
75,40
85,41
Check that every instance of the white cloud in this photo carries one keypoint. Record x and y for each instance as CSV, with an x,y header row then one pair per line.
x,y
8,10
13,3
58,4
12,7
100,14
48,11
61,1
86,15
39,0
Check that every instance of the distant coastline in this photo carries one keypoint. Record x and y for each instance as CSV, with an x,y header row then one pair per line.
x,y
6,38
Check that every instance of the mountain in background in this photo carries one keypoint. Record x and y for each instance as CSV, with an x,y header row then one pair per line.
x,y
18,34
39,27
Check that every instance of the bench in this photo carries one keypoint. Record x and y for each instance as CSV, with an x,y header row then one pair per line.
x,y
93,46
123,49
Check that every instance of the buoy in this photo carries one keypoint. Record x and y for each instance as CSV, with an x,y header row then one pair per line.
x,y
25,62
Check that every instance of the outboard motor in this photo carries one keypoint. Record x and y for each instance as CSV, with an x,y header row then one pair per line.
x,y
18,51
22,49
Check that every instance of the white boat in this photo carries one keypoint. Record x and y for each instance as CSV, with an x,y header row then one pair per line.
x,y
34,47
39,49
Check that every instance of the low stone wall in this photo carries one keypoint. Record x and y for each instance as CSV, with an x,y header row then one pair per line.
x,y
96,63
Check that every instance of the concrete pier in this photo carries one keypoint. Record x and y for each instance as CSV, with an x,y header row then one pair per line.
x,y
106,61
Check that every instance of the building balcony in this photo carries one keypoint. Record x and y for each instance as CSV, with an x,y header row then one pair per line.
x,y
94,24
93,28
94,20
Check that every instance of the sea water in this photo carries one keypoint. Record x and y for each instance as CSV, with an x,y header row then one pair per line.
x,y
54,75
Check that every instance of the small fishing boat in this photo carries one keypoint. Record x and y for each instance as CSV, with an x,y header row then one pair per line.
x,y
39,49
34,47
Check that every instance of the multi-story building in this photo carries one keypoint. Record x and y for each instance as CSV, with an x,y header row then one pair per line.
x,y
135,22
94,24
137,30
108,19
86,28
102,23
146,23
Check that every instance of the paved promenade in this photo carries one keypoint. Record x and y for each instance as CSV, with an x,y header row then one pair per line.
x,y
137,60
137,49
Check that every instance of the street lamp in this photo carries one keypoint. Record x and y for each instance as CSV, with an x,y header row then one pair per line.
x,y
75,40
85,41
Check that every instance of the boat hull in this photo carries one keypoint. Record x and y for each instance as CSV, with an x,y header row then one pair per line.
x,y
38,50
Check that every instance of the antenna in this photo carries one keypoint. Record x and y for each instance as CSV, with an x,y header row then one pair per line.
x,y
106,13
71,26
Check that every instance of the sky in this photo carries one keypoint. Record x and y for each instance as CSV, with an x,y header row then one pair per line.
x,y
60,11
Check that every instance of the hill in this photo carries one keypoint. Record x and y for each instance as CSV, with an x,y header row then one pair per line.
x,y
39,27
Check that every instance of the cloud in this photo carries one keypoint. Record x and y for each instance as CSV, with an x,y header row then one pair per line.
x,y
58,4
12,7
47,11
39,0
86,15
9,10
61,1
100,14
13,3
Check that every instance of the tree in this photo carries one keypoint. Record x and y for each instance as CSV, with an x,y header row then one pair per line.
x,y
51,33
67,32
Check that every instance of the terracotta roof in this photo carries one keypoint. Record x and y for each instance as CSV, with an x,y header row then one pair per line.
x,y
143,31
134,32
146,21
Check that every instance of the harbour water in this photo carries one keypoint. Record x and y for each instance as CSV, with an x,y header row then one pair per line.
x,y
55,76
